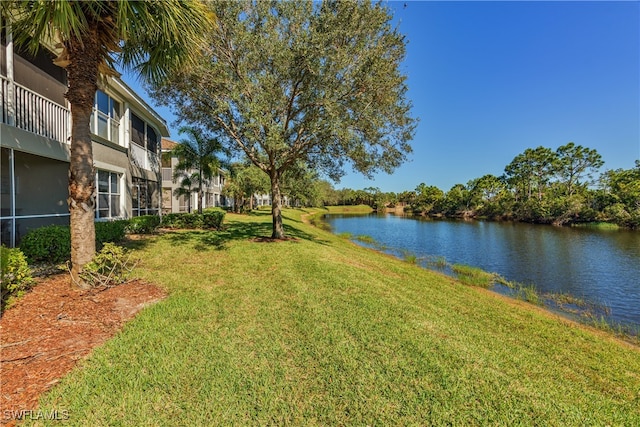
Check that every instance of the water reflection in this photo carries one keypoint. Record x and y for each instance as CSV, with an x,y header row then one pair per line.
x,y
602,266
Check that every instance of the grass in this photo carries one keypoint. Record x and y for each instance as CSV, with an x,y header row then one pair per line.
x,y
473,276
597,225
529,293
365,239
356,209
320,331
410,257
437,262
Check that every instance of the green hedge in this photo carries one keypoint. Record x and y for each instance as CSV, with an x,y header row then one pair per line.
x,y
47,244
143,224
110,231
208,219
52,244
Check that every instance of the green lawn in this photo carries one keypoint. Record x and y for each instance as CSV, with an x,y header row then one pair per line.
x,y
319,331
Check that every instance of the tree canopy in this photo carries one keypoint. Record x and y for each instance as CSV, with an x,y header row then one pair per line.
x,y
290,82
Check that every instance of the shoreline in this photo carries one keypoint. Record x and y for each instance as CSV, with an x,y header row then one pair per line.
x,y
629,333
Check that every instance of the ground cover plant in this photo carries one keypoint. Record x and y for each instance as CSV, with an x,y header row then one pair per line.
x,y
316,330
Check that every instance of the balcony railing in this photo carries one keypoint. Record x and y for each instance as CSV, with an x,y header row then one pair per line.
x,y
144,159
32,112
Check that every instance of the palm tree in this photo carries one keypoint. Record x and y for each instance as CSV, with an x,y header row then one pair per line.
x,y
186,187
196,159
151,37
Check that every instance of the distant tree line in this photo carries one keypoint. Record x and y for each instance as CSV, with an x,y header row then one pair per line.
x,y
539,186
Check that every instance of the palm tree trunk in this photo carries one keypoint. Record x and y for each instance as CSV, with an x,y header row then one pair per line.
x,y
82,73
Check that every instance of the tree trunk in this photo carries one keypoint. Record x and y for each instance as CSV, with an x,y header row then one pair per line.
x,y
82,73
200,193
276,212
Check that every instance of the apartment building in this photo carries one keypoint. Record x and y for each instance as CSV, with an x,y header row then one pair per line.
x,y
189,200
34,146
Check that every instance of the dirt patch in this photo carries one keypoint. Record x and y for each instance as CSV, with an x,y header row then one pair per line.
x,y
51,328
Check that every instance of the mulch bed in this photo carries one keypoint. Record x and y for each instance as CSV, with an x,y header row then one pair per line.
x,y
50,329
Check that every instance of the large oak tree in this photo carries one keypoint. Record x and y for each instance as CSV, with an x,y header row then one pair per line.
x,y
290,82
153,37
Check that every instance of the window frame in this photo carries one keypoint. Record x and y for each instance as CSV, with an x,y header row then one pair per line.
x,y
111,118
112,177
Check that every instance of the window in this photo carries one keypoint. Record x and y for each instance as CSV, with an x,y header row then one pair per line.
x,y
152,140
137,130
145,195
108,203
105,120
184,203
143,134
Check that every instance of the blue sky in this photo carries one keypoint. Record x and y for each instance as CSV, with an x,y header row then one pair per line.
x,y
490,79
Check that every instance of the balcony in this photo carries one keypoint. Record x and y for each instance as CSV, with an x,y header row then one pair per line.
x,y
144,159
34,113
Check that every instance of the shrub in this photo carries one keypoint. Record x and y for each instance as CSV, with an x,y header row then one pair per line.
x,y
192,220
47,244
110,231
213,219
209,219
172,220
145,224
111,266
52,244
15,275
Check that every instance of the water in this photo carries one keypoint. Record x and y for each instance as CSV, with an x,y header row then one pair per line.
x,y
601,266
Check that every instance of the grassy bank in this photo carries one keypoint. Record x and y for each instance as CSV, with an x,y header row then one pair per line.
x,y
320,331
357,209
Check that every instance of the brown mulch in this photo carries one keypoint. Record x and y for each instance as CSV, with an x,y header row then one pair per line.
x,y
50,329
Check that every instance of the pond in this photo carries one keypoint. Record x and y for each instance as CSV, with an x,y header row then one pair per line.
x,y
599,266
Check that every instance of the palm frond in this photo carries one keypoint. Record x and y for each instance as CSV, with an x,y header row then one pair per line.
x,y
152,37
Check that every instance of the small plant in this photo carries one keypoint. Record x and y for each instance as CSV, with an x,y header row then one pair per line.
x,y
15,275
109,267
346,235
